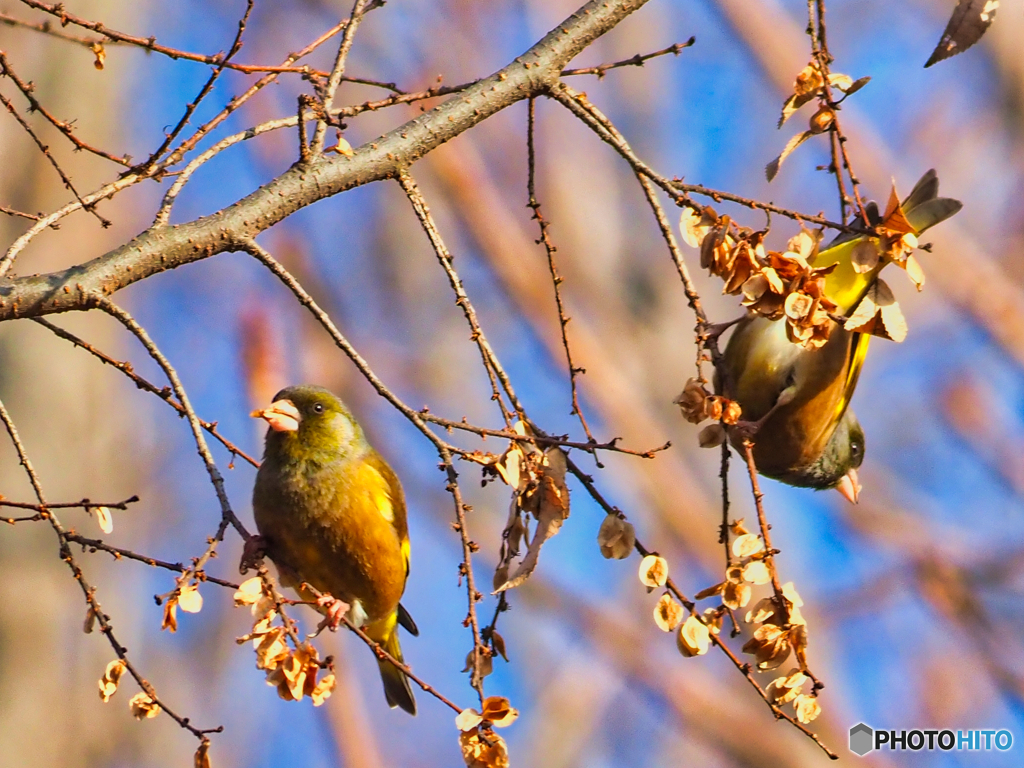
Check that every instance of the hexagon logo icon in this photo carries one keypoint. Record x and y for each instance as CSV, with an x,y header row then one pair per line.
x,y
862,739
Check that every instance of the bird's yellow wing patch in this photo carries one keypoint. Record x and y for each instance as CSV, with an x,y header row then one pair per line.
x,y
857,355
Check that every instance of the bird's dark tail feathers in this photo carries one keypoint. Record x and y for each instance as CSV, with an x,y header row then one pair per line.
x,y
396,684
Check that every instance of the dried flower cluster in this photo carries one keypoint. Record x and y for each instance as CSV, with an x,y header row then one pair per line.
x,y
292,671
481,747
745,569
783,630
697,404
774,284
780,628
810,84
537,479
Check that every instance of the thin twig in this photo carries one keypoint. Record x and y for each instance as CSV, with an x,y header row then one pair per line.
x,y
675,188
556,279
227,515
97,545
634,61
46,153
744,667
27,89
490,363
164,393
87,590
359,8
191,106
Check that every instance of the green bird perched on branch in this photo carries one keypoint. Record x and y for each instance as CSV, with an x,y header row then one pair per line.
x,y
795,399
331,514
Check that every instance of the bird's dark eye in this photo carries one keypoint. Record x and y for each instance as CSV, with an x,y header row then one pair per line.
x,y
318,408
857,449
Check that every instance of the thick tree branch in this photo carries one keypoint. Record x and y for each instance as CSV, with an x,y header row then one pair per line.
x,y
162,248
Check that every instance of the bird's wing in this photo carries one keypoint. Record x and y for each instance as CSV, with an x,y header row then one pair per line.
x,y
923,208
858,351
390,500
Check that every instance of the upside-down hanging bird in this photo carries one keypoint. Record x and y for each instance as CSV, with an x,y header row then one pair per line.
x,y
331,513
807,435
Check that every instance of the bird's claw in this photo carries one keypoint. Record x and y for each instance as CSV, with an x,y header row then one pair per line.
x,y
712,331
254,550
334,610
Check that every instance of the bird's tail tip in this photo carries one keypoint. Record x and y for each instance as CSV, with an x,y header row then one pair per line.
x,y
396,684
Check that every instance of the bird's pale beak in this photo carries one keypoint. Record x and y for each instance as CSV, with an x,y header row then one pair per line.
x,y
850,486
282,416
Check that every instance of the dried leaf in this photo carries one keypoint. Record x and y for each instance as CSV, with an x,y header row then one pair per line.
x,y
712,436
695,225
100,53
249,591
552,511
792,104
840,81
914,271
271,649
770,645
170,620
809,80
486,664
90,620
789,592
710,591
342,147
616,537
692,401
736,595
786,688
879,314
968,23
653,571
895,220
857,84
772,169
763,611
509,464
668,613
498,644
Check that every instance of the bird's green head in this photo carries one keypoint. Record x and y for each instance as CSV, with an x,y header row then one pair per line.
x,y
837,466
311,423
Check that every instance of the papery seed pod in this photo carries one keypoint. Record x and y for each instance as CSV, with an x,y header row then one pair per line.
x,y
693,638
616,537
653,571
